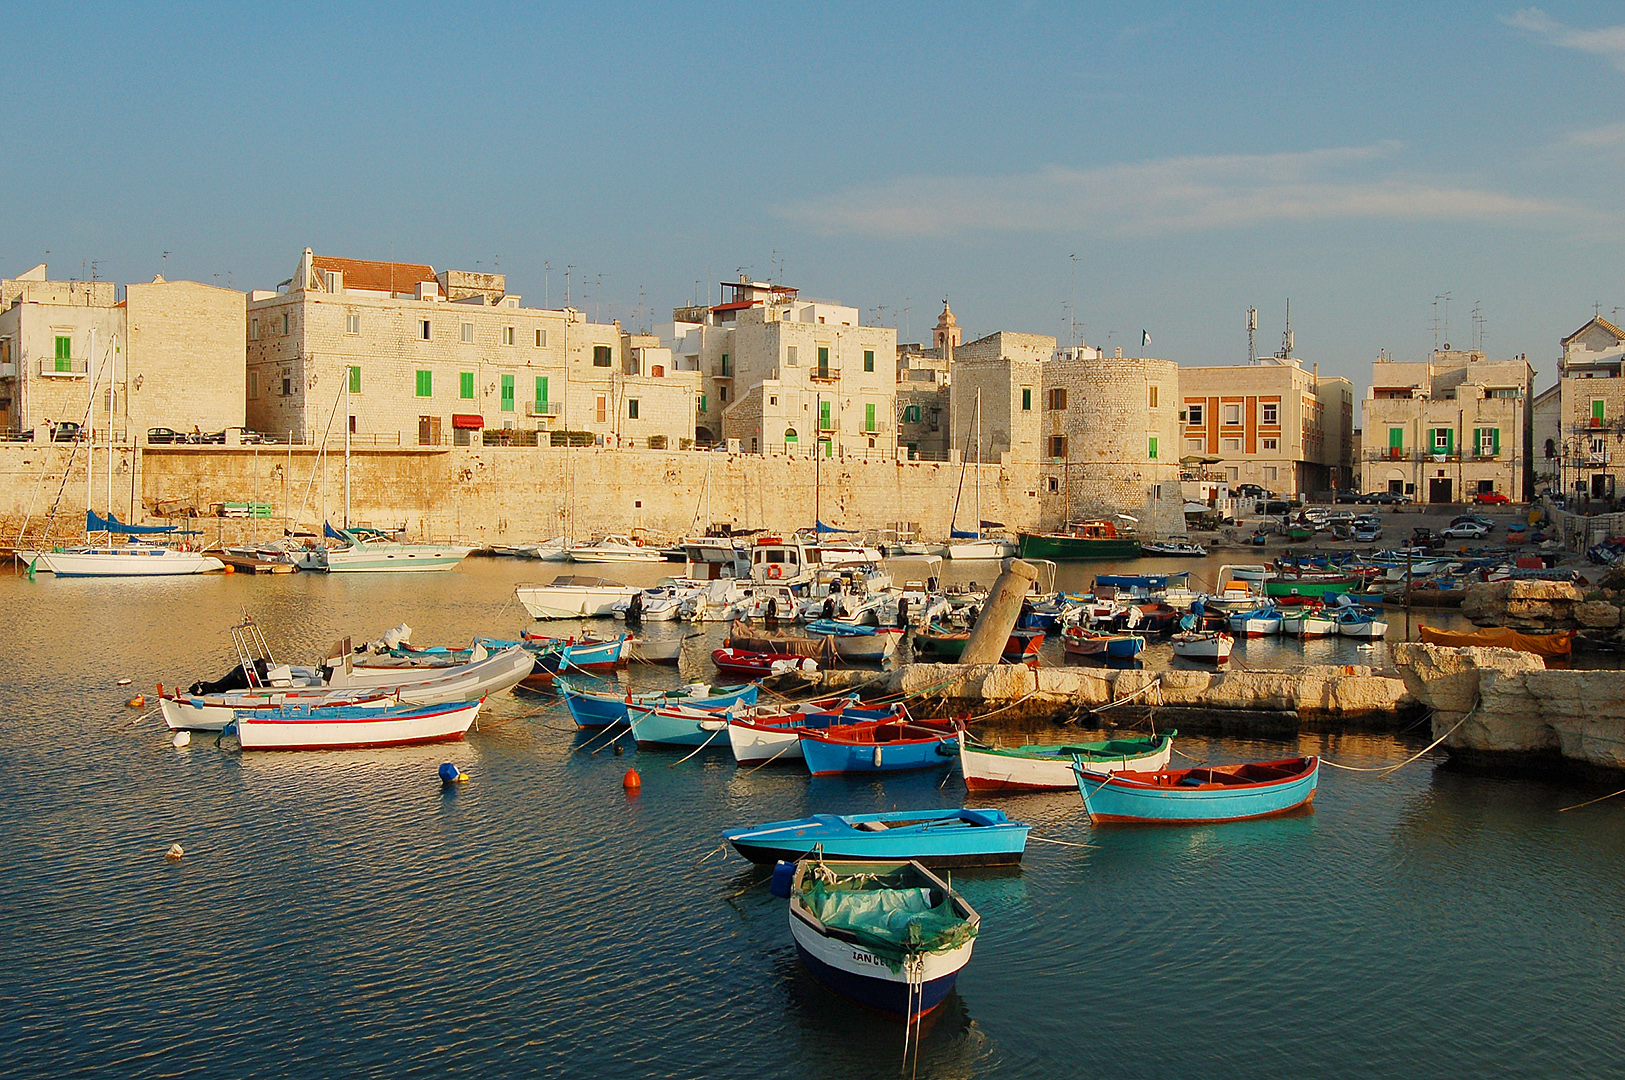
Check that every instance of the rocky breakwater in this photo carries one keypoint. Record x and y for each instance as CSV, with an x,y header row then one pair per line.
x,y
1594,611
1337,697
1501,707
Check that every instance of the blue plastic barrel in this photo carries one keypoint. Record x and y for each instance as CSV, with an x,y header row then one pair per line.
x,y
449,774
783,872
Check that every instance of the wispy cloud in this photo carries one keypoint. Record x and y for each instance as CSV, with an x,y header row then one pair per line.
x,y
1169,195
1609,137
1608,42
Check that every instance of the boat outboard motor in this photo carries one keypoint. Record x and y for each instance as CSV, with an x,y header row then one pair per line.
x,y
902,612
634,608
772,615
829,607
235,679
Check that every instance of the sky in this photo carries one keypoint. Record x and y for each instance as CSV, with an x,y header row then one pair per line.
x,y
1405,175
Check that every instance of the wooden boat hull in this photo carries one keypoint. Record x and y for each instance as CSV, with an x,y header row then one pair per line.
x,y
351,728
1076,642
595,710
756,665
945,838
877,748
842,961
1300,624
1049,768
677,726
1311,586
1213,648
1365,629
758,738
1076,548
1255,625
1259,789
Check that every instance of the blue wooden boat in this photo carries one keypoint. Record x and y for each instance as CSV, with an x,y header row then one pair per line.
x,y
1076,641
556,656
678,725
594,709
951,837
1200,795
890,936
880,746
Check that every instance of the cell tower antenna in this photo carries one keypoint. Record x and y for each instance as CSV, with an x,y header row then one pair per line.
x,y
547,285
1252,330
1072,302
1286,334
567,270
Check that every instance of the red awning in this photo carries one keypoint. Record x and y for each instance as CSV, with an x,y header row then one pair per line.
x,y
473,421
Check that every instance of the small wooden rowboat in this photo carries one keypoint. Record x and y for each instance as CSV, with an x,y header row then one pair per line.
x,y
955,837
348,727
1201,795
879,746
891,936
761,736
596,709
1049,768
743,663
1210,646
1076,641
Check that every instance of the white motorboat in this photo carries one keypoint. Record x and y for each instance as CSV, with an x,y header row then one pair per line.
x,y
977,549
1212,646
1306,623
573,596
614,549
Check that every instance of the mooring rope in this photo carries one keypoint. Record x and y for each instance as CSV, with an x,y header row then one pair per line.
x,y
1385,769
700,747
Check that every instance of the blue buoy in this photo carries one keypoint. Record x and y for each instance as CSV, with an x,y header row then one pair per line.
x,y
783,872
451,774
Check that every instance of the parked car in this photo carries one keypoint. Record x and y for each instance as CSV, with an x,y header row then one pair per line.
x,y
246,437
1490,498
1474,519
1278,506
1349,496
164,435
1465,530
1250,491
213,437
67,431
1387,498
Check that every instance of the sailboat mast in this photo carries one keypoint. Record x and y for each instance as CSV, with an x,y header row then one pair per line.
x,y
90,418
978,463
347,449
112,381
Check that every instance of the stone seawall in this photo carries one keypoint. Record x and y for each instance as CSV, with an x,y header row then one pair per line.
x,y
488,495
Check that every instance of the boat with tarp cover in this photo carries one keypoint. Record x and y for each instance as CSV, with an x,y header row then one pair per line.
x,y
890,936
1557,646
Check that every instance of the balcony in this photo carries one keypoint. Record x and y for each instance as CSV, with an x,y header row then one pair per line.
x,y
722,371
64,369
824,373
8,370
542,408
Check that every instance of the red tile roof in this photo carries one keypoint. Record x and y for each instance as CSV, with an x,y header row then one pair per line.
x,y
376,276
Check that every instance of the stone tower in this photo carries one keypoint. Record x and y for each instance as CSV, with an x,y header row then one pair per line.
x,y
947,335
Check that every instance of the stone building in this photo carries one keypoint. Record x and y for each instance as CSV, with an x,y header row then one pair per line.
x,y
1591,422
1109,428
923,399
417,357
1546,455
784,375
1448,428
1273,423
168,355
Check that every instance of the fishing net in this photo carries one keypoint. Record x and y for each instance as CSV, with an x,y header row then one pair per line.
x,y
891,922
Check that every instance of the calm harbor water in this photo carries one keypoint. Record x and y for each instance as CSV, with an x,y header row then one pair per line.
x,y
338,914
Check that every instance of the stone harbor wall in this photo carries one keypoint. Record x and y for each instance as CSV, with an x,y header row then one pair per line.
x,y
1512,711
1595,611
1312,698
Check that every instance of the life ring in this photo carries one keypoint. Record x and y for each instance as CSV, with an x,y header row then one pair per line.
x,y
775,570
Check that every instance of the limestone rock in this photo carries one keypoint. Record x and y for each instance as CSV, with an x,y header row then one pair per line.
x,y
1596,615
1529,605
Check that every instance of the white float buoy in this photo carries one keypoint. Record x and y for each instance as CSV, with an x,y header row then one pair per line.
x,y
124,682
181,740
175,853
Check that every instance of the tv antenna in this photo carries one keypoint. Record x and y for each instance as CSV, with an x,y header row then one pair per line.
x,y
1252,331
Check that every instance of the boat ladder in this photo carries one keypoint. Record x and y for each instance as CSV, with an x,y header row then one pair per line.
x,y
251,647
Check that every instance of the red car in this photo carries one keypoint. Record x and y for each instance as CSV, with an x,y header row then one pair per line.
x,y
1490,498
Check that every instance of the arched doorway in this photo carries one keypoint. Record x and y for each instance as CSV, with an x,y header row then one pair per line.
x,y
702,437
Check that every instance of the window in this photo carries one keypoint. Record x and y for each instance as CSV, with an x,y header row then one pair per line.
x,y
790,356
727,366
1232,473
868,359
911,414
507,393
1597,413
465,385
541,394
428,431
1153,402
507,335
1057,446
1442,438
790,435
1269,413
1272,444
1026,399
869,417
1232,414
1598,446
253,329
355,381
1488,441
1232,444
253,384
1195,446
823,360
1057,398
285,322
773,399
1269,473
1153,454
64,352
823,417
701,400
466,333
1195,411
287,387
600,408
541,338
425,384
423,330
722,394
600,356
352,323
632,408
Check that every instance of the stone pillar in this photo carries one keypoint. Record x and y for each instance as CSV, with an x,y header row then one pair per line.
x,y
999,614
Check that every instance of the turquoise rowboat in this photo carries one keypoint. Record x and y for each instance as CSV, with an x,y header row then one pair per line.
x,y
1198,796
952,837
597,709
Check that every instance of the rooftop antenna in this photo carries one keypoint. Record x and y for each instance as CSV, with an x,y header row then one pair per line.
x,y
163,265
1446,298
1252,330
1286,335
567,270
880,315
908,331
598,298
547,285
1478,326
1071,301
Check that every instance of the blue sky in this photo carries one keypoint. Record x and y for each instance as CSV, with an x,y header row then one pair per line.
x,y
1158,167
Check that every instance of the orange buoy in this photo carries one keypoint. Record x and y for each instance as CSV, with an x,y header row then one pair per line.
x,y
631,781
137,702
229,569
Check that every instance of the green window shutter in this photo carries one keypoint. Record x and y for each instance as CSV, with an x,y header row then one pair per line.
x,y
1495,441
1450,440
1396,438
465,385
64,353
868,359
600,356
507,393
1153,449
541,390
631,408
869,417
355,380
425,384
823,416
726,368
702,403
823,361
1596,405
1026,399
1478,439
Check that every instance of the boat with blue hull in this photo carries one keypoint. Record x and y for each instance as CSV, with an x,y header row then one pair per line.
x,y
883,746
597,709
890,936
1201,795
678,725
941,837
